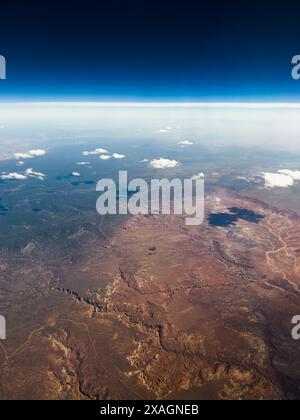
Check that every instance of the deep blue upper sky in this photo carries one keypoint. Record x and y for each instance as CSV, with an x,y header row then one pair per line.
x,y
150,49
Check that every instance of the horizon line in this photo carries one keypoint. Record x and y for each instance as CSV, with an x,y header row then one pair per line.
x,y
141,104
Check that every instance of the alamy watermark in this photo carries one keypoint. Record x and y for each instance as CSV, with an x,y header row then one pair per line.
x,y
296,329
157,196
296,67
2,328
2,67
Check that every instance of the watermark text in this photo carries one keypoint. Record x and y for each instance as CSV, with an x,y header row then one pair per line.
x,y
157,196
2,67
296,67
296,329
2,328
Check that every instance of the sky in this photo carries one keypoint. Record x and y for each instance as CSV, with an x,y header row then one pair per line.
x,y
150,50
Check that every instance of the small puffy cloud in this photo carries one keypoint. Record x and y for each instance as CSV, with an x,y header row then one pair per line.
x,y
186,143
166,130
105,157
83,163
163,163
21,155
13,176
284,178
76,174
37,152
200,175
118,156
29,155
20,163
29,173
33,174
144,160
95,152
101,151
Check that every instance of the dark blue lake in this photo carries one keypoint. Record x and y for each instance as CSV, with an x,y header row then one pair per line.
x,y
235,214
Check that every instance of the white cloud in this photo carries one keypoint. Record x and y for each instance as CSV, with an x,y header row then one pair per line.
x,y
20,163
284,178
186,143
29,155
37,152
166,130
144,160
83,163
25,155
201,175
13,176
94,152
29,173
105,157
118,156
76,174
163,163
33,174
